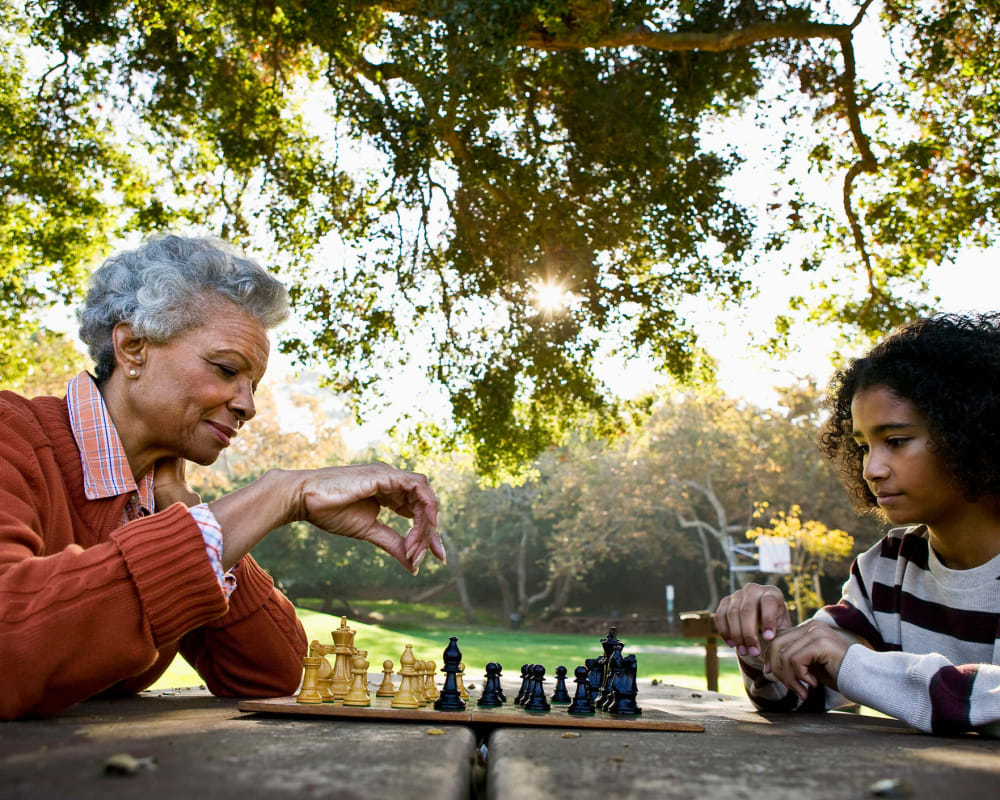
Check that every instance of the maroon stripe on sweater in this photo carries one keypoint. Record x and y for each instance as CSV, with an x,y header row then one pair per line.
x,y
950,695
915,549
912,547
851,619
969,626
889,547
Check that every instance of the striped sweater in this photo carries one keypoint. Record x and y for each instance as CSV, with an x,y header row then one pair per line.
x,y
934,632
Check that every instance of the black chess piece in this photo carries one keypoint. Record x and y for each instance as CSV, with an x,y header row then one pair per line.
x,y
593,677
536,695
612,668
560,696
450,698
500,694
490,697
625,689
583,702
525,690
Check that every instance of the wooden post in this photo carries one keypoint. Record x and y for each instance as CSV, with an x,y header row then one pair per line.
x,y
701,625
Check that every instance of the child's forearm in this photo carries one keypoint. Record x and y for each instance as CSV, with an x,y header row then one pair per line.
x,y
926,691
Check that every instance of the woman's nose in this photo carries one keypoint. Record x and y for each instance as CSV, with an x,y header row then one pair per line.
x,y
243,405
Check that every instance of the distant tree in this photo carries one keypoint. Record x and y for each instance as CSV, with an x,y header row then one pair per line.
x,y
41,364
813,545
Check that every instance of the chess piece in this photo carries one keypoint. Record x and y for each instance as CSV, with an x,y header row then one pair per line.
x,y
560,696
593,677
310,688
460,677
608,643
500,694
430,687
386,688
343,647
524,691
357,695
624,689
450,698
613,667
536,697
490,697
324,680
583,702
364,655
406,696
420,682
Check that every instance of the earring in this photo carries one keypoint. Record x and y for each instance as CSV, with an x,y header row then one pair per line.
x,y
132,373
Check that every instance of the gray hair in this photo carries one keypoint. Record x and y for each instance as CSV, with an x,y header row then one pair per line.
x,y
160,289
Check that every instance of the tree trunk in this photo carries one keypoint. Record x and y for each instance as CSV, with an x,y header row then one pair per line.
x,y
506,595
706,555
457,567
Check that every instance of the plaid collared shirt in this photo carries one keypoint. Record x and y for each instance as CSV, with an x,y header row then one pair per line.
x,y
106,471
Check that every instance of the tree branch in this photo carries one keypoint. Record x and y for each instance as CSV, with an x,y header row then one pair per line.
x,y
715,41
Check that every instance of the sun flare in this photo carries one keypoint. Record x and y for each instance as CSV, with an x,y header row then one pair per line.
x,y
550,297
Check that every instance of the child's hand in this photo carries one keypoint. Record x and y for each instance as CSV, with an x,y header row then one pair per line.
x,y
810,653
750,614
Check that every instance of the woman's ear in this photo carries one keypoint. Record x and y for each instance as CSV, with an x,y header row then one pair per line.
x,y
130,350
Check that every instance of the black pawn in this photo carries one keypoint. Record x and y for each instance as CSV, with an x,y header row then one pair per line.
x,y
490,697
583,701
450,698
525,691
500,694
560,696
536,697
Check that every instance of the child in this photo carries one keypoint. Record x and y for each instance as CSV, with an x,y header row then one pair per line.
x,y
915,430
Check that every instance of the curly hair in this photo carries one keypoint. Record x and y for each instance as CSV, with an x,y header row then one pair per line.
x,y
161,289
948,367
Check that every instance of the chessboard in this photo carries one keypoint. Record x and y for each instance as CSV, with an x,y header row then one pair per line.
x,y
507,714
604,696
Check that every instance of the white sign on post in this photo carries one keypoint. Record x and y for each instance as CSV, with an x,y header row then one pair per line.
x,y
774,554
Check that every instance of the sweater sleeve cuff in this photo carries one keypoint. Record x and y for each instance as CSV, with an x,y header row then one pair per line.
x,y
255,587
165,555
854,680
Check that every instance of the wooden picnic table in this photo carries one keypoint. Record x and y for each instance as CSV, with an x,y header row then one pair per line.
x,y
205,746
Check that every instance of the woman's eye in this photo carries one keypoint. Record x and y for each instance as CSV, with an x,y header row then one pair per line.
x,y
229,372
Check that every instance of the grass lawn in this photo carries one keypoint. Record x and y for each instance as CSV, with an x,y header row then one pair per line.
x,y
481,644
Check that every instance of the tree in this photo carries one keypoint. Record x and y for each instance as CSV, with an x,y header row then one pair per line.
x,y
812,545
521,150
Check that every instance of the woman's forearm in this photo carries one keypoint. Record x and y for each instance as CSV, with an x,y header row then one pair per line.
x,y
247,515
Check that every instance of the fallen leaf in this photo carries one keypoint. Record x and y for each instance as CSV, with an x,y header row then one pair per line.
x,y
127,764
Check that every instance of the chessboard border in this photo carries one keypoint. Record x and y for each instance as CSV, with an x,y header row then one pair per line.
x,y
650,720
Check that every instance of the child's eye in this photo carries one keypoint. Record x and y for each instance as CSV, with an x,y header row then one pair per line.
x,y
895,441
862,447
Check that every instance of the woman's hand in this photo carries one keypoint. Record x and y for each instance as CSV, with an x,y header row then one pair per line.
x,y
810,653
750,614
170,484
346,501
342,500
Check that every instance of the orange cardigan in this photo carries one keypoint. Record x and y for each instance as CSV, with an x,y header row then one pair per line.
x,y
87,606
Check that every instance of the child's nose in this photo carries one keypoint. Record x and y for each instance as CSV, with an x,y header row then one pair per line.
x,y
875,468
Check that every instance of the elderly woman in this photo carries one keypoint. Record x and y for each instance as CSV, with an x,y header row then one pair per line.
x,y
109,563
